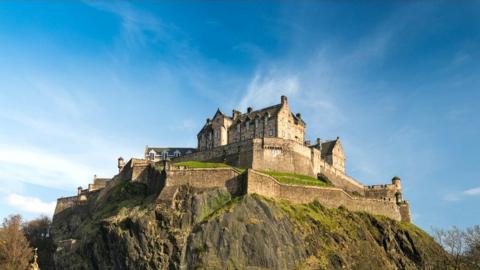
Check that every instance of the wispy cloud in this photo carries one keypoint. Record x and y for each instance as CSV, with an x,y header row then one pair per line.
x,y
266,89
41,168
472,191
30,204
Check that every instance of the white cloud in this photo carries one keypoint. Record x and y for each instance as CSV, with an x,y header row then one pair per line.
x,y
31,204
265,90
42,168
472,191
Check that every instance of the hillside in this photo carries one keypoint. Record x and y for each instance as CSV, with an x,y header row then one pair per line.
x,y
122,227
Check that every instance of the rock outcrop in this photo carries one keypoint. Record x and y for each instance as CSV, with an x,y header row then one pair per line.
x,y
124,227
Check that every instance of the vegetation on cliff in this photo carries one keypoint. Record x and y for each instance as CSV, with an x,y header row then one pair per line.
x,y
123,227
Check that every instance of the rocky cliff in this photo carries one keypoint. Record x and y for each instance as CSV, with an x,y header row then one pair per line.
x,y
124,227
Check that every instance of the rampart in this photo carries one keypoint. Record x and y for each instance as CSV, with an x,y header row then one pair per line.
x,y
202,178
265,185
64,203
276,154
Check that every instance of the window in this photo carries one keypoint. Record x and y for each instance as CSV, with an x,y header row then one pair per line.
x,y
165,154
266,121
261,134
209,136
176,153
238,127
256,123
247,125
270,133
152,155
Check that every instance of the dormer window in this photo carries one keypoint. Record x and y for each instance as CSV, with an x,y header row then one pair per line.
x,y
165,154
176,153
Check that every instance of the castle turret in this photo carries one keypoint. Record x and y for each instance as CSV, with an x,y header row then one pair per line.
x,y
397,182
120,164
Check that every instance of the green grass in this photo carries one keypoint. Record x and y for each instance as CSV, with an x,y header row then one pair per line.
x,y
199,164
296,179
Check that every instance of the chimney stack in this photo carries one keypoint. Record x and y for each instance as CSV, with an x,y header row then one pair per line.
x,y
235,114
283,99
249,109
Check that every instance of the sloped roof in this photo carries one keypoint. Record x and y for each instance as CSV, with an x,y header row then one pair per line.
x,y
270,111
327,147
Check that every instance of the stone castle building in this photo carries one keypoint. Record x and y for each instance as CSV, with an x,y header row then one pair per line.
x,y
257,141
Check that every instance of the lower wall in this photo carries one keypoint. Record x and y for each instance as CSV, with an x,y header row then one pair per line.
x,y
202,178
330,197
64,203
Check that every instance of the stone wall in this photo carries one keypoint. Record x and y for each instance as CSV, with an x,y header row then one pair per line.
x,y
201,178
265,185
64,203
235,154
278,155
387,192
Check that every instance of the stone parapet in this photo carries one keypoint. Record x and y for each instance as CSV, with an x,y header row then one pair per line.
x,y
331,197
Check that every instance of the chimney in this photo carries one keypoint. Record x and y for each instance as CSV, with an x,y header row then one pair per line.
x,y
299,115
319,144
283,99
121,164
79,190
249,109
235,114
94,177
208,120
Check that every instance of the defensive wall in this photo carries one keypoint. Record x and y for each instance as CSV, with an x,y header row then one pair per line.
x,y
233,180
256,182
276,154
331,197
378,199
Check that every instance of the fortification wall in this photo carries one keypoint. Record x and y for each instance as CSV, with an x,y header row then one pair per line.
x,y
229,178
381,191
64,203
276,154
238,154
330,197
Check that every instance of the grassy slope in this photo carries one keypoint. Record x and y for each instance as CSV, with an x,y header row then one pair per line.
x,y
296,179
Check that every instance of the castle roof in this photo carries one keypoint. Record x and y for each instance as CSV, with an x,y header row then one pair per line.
x,y
270,111
327,147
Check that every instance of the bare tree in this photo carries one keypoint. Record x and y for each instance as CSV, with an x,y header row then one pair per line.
x,y
472,240
37,231
15,251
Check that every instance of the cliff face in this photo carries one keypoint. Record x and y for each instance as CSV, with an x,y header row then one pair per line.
x,y
122,227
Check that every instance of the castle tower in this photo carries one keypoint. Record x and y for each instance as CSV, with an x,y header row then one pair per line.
x,y
120,164
396,181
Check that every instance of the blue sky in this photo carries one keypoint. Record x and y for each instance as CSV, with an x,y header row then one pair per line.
x,y
82,83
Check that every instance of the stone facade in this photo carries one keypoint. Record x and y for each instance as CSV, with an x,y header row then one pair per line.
x,y
272,122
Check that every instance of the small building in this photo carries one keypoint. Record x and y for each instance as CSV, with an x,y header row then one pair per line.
x,y
332,152
165,153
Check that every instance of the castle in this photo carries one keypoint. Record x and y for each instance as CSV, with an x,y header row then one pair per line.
x,y
254,143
